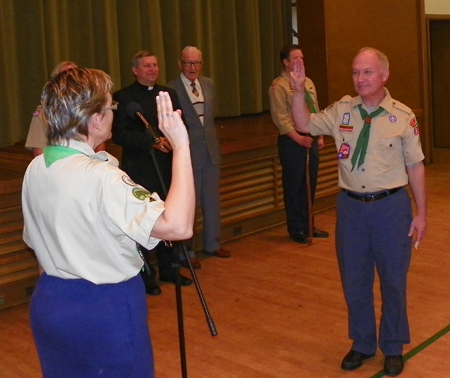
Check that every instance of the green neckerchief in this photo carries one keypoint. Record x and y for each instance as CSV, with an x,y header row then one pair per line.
x,y
363,139
55,153
310,102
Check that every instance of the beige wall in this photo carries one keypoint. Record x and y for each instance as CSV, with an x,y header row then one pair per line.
x,y
437,7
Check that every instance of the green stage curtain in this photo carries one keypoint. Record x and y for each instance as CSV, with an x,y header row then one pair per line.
x,y
240,40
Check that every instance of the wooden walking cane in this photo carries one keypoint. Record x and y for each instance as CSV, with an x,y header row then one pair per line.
x,y
313,109
309,195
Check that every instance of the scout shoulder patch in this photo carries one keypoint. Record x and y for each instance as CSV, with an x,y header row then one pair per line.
x,y
275,83
36,113
413,122
142,194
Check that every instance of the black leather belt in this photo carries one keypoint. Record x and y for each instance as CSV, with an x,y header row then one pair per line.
x,y
368,197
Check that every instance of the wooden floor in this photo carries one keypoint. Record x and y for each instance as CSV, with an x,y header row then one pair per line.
x,y
279,310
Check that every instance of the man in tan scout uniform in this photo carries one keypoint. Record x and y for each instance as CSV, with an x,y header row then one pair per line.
x,y
293,147
379,152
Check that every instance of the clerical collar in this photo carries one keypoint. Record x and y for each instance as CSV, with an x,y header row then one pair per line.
x,y
145,87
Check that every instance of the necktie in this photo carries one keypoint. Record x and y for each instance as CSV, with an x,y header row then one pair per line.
x,y
194,89
363,139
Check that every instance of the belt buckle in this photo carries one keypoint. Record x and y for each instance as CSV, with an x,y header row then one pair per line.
x,y
369,198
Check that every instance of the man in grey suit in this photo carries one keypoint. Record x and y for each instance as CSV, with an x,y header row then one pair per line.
x,y
196,96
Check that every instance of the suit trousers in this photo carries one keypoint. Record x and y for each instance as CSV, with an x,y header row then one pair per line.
x,y
207,193
373,236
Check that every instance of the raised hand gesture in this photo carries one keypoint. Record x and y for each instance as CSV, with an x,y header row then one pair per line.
x,y
298,76
170,122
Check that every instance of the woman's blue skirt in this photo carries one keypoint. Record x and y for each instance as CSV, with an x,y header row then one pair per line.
x,y
83,330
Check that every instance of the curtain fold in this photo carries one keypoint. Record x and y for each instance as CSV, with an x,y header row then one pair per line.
x,y
239,39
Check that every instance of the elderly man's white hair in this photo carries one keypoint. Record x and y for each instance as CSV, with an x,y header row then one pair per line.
x,y
191,49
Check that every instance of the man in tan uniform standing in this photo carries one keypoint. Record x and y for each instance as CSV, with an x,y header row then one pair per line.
x,y
379,152
293,148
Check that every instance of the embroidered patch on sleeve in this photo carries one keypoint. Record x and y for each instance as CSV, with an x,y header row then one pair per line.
x,y
413,122
142,194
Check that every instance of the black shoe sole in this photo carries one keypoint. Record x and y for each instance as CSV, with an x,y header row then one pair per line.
x,y
300,241
354,367
320,236
183,281
154,292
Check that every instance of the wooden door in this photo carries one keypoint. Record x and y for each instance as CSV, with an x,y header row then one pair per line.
x,y
440,81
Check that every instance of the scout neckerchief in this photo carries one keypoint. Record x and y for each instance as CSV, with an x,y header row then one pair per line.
x,y
363,139
55,153
310,102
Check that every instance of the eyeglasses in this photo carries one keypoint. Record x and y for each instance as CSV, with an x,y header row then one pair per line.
x,y
113,106
190,64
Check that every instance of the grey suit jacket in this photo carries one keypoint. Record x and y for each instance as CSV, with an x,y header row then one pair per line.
x,y
203,138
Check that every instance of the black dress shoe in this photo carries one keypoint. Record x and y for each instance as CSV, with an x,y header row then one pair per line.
x,y
300,238
393,365
153,289
171,277
353,360
320,234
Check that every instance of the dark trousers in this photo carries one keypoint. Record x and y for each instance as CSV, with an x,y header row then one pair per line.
x,y
373,236
86,330
293,163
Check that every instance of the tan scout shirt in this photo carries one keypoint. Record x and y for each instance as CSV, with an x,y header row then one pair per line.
x,y
37,134
280,94
83,217
393,143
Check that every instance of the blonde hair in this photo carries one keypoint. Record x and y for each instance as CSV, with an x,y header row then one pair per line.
x,y
69,100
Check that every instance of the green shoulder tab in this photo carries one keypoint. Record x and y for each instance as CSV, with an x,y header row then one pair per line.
x,y
55,153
